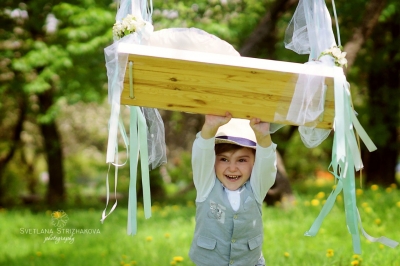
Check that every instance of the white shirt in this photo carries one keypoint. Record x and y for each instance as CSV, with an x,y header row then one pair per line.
x,y
234,197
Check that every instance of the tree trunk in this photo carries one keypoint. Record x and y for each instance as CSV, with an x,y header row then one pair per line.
x,y
263,38
360,35
383,98
14,142
52,143
384,104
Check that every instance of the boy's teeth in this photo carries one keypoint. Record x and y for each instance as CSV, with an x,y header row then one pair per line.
x,y
233,176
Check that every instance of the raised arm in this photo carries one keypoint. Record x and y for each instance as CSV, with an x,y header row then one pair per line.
x,y
203,155
261,130
264,170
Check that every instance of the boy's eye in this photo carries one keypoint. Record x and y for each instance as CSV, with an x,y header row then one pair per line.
x,y
242,160
223,160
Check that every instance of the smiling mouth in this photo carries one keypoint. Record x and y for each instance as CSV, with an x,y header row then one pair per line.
x,y
233,177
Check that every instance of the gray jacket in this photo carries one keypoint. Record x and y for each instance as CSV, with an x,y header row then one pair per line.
x,y
224,236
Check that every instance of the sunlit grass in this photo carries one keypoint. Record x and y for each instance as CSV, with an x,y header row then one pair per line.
x,y
165,238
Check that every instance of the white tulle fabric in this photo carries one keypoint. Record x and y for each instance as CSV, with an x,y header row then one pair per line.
x,y
116,66
139,8
309,32
191,39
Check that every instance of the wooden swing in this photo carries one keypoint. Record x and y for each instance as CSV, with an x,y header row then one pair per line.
x,y
208,83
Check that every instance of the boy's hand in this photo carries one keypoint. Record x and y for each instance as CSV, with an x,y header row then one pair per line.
x,y
261,130
212,123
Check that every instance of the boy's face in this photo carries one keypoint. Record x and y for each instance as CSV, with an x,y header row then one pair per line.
x,y
233,168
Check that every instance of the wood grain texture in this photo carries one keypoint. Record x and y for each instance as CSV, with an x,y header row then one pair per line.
x,y
213,84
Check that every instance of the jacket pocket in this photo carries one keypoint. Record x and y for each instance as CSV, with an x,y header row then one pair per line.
x,y
255,242
207,243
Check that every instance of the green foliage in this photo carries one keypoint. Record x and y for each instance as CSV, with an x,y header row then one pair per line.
x,y
301,162
13,180
51,51
59,58
86,30
231,21
180,171
44,63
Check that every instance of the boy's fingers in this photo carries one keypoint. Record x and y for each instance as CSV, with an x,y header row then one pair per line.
x,y
228,116
254,121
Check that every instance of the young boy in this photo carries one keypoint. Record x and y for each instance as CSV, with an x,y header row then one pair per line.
x,y
231,182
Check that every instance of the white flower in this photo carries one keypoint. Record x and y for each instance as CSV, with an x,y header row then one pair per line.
x,y
125,24
342,61
337,54
128,25
343,55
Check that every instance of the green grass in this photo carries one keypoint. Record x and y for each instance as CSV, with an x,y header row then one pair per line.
x,y
169,232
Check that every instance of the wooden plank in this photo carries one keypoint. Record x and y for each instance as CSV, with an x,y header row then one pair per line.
x,y
212,84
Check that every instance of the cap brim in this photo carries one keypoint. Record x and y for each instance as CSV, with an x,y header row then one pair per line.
x,y
236,140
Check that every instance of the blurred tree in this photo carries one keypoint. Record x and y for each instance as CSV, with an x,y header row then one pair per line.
x,y
381,62
262,40
11,138
373,65
52,50
13,106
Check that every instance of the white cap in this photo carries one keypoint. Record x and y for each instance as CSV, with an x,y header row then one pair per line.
x,y
237,131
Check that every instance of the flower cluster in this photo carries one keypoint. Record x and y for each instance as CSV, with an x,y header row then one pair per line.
x,y
176,260
356,260
330,253
128,25
337,55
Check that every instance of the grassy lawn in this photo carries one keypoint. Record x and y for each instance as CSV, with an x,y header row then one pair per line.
x,y
165,238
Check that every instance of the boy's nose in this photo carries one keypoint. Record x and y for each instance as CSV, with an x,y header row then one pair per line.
x,y
232,167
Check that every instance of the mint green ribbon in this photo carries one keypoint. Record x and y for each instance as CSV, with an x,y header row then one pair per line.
x,y
345,159
134,157
138,147
144,163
